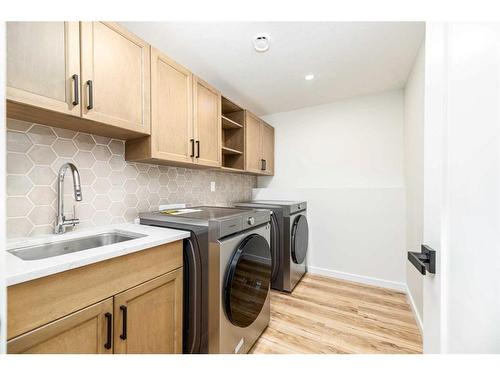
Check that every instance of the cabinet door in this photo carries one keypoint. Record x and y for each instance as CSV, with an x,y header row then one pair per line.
x,y
42,58
171,106
268,148
115,76
88,331
207,123
149,316
253,143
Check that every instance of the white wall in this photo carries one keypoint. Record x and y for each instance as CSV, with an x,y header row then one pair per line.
x,y
414,176
346,160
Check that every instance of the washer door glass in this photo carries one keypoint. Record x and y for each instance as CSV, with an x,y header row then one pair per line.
x,y
300,239
248,278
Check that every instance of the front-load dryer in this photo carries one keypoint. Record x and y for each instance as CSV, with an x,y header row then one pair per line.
x,y
289,240
227,268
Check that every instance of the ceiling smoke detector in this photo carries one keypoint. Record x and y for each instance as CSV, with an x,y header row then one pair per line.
x,y
261,42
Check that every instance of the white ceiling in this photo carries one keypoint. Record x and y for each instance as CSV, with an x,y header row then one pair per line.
x,y
347,58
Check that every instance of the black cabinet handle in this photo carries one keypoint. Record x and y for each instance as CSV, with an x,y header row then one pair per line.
x,y
123,308
91,95
109,319
76,86
263,164
198,149
192,147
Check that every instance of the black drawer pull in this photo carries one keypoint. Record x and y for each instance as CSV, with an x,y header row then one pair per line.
x,y
91,95
192,147
123,308
263,164
198,148
76,87
109,322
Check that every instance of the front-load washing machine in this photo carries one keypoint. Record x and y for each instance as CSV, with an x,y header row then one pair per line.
x,y
227,275
289,240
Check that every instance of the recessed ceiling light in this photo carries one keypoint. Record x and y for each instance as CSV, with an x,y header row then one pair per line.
x,y
261,42
309,77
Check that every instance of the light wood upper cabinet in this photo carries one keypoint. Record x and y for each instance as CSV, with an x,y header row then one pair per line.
x,y
186,118
99,78
259,146
149,317
115,76
88,331
267,149
171,138
207,123
253,143
172,108
42,58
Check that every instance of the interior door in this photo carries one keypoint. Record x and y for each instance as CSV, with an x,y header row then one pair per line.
x,y
253,143
171,106
88,331
148,318
207,123
43,65
115,76
267,149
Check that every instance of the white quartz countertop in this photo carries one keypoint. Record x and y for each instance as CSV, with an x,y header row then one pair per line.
x,y
18,270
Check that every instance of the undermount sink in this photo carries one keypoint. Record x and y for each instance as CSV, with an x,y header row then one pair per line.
x,y
53,249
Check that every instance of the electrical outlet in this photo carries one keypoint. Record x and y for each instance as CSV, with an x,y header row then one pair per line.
x,y
212,186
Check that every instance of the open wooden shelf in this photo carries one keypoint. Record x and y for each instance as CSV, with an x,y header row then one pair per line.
x,y
230,151
227,123
228,169
233,161
228,106
233,136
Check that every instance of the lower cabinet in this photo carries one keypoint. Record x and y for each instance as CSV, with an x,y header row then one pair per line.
x,y
139,311
148,318
88,331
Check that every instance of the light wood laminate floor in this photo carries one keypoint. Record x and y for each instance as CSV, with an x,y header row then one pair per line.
x,y
326,315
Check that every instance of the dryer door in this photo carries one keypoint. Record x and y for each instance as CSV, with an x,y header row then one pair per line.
x,y
248,278
275,247
300,239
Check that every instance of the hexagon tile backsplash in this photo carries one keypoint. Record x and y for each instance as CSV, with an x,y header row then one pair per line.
x,y
114,190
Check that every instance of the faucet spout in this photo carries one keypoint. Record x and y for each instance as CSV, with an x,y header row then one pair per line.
x,y
61,221
76,182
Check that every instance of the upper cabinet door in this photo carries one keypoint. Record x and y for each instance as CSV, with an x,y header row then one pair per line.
x,y
42,58
207,123
171,108
148,318
115,76
88,331
267,149
253,144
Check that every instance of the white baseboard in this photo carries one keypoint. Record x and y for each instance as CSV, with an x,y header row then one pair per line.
x,y
415,310
400,287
